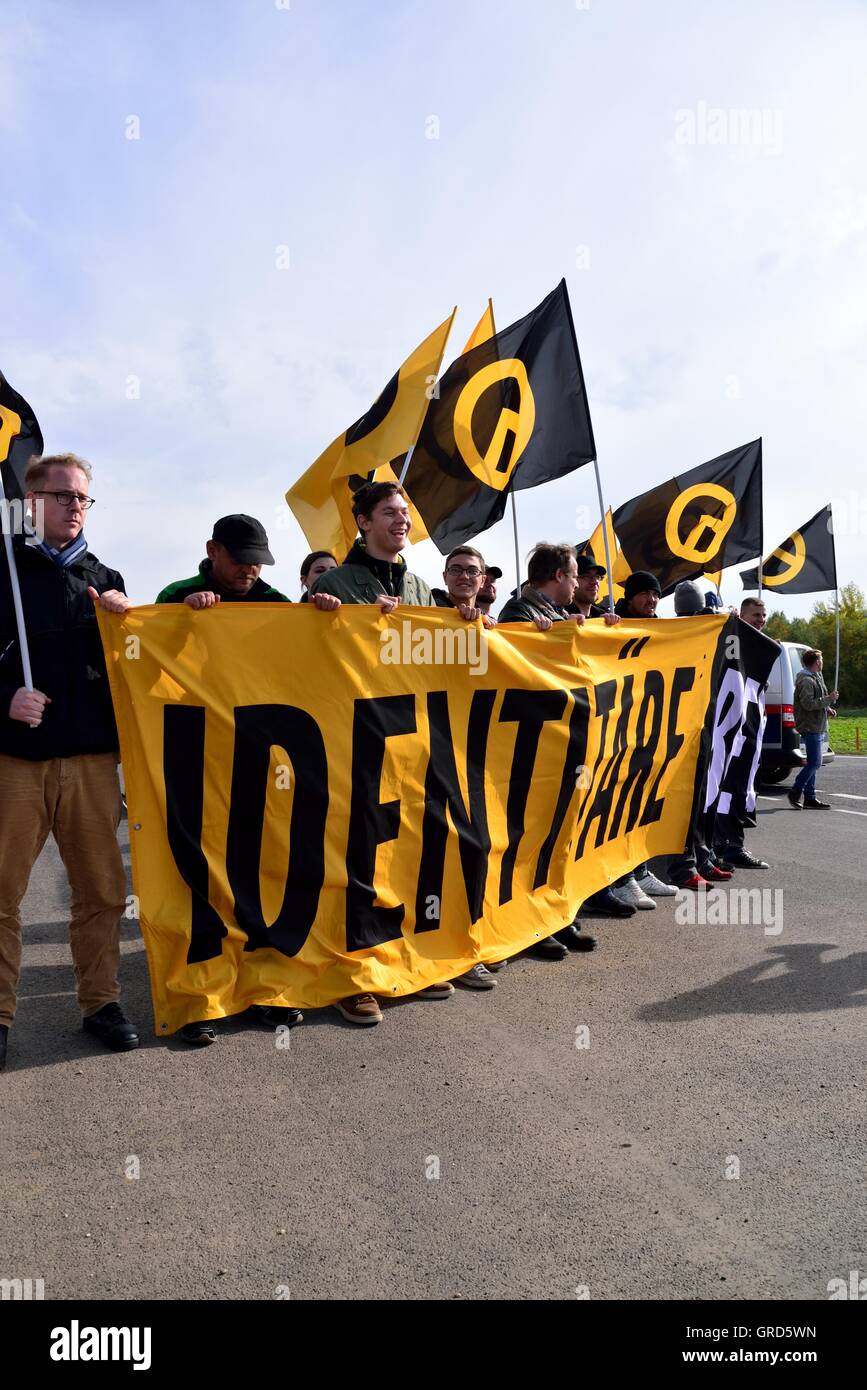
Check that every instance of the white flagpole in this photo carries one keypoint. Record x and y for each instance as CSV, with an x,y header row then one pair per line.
x,y
517,548
605,538
6,523
406,463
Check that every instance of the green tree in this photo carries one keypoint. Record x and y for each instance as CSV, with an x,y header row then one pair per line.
x,y
819,631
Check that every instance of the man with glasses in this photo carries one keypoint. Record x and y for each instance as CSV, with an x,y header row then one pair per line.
x,y
464,573
59,747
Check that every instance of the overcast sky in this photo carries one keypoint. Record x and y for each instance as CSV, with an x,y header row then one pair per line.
x,y
717,271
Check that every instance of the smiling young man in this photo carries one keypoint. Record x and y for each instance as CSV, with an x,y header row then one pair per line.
x,y
463,574
59,747
375,572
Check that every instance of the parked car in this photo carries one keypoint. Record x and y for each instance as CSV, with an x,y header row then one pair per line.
x,y
782,749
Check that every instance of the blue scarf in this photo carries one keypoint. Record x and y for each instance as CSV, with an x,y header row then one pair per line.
x,y
70,553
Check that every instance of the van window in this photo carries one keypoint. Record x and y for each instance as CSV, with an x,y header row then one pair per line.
x,y
795,660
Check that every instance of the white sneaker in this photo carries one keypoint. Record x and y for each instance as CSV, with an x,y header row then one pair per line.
x,y
630,894
649,883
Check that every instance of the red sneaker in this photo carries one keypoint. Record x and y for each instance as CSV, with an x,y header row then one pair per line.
x,y
714,874
696,884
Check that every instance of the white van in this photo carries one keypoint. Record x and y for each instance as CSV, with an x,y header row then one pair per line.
x,y
782,749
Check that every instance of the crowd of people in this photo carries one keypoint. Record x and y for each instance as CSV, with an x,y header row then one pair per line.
x,y
59,745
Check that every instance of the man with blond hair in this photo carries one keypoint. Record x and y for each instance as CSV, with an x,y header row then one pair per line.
x,y
59,747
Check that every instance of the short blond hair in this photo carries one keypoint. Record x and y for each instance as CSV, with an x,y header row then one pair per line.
x,y
36,472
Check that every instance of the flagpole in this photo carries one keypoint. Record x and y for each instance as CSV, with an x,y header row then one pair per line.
x,y
595,460
837,627
403,472
605,538
517,548
5,521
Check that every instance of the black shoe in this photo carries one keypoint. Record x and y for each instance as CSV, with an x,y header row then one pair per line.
x,y
742,859
549,949
726,863
113,1028
814,804
573,940
4,1038
794,799
200,1033
273,1016
604,904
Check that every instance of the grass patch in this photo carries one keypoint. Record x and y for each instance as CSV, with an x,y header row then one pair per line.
x,y
842,731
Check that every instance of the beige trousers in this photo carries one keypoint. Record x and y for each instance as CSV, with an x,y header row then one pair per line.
x,y
78,801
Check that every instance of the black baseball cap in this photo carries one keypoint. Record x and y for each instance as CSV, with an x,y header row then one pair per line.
x,y
587,565
245,539
493,572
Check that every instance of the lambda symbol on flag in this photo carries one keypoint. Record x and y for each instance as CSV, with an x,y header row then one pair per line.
x,y
490,468
10,426
793,561
719,526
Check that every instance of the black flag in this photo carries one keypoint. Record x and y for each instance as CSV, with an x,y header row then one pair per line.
x,y
510,413
803,564
697,523
20,439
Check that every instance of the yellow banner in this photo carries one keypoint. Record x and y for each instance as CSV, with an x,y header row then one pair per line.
x,y
322,804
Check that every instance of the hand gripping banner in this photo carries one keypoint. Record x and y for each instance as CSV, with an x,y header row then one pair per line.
x,y
323,804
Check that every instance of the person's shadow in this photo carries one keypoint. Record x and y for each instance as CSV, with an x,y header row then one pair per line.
x,y
808,985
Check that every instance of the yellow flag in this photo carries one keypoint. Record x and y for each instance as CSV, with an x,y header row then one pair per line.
x,y
619,563
322,497
483,330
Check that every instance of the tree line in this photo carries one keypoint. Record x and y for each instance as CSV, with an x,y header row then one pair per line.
x,y
818,631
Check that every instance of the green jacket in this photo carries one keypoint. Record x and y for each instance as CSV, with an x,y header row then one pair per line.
x,y
354,582
811,703
203,581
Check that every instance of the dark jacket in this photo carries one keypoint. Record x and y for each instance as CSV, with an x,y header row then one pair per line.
x,y
527,605
811,703
597,610
65,655
203,582
362,579
442,598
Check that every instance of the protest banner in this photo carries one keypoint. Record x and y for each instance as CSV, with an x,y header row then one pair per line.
x,y
322,804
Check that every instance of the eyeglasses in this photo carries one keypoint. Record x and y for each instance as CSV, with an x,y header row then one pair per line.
x,y
471,572
66,499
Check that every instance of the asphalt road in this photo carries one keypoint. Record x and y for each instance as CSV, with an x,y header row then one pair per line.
x,y
311,1172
